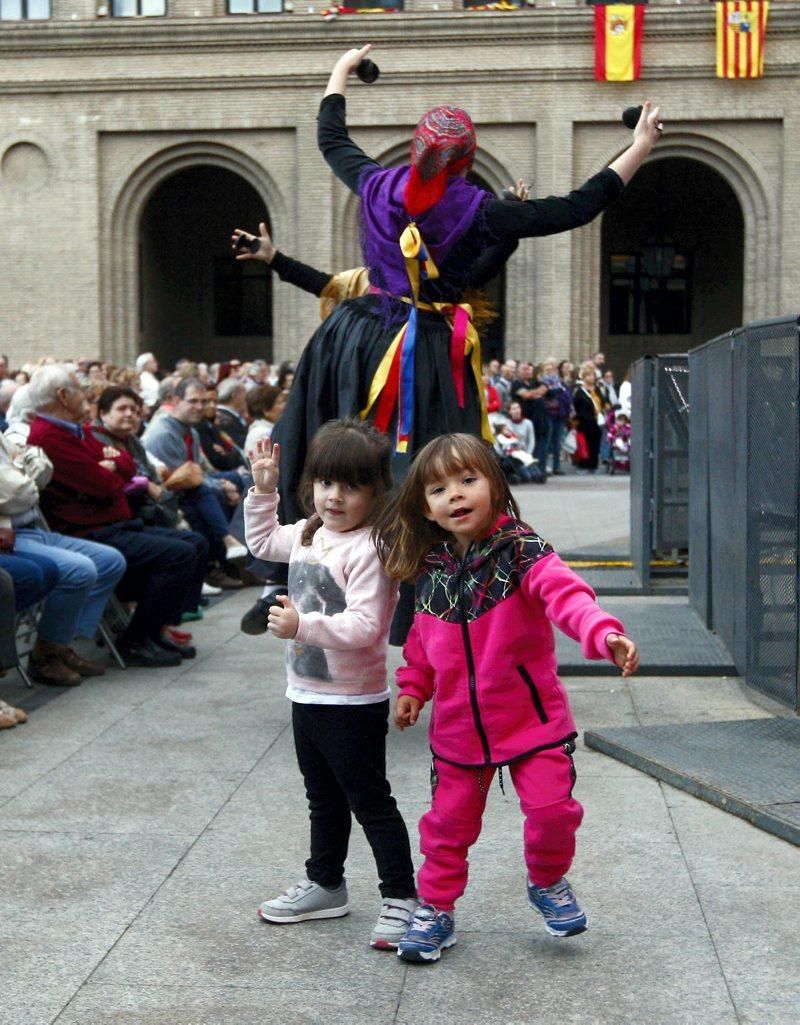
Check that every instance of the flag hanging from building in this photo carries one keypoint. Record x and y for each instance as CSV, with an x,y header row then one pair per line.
x,y
741,30
618,30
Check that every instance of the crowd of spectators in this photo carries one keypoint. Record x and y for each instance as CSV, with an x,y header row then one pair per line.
x,y
128,482
124,484
537,411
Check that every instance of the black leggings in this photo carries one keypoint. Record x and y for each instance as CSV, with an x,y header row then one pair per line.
x,y
341,750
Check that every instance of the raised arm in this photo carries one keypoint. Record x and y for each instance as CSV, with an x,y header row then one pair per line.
x,y
347,160
538,217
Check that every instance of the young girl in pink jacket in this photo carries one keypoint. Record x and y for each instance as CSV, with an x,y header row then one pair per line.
x,y
482,649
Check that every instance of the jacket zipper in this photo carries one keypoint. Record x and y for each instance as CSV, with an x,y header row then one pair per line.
x,y
526,676
473,690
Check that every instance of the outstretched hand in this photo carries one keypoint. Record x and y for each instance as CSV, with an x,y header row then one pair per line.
x,y
283,619
625,653
344,67
265,251
265,461
649,126
406,711
520,190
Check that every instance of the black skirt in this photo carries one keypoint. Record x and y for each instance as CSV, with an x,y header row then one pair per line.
x,y
333,379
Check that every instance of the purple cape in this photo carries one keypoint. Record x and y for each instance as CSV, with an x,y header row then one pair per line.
x,y
384,217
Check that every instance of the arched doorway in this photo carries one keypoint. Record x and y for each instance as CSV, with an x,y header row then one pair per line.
x,y
194,299
672,262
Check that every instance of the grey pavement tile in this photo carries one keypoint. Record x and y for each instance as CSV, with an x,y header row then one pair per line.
x,y
112,794
600,701
757,946
722,848
691,699
265,1003
36,996
26,756
593,979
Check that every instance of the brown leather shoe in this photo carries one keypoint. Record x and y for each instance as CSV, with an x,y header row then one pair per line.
x,y
219,578
80,665
52,671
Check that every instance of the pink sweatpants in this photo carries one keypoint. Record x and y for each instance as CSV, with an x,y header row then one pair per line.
x,y
543,784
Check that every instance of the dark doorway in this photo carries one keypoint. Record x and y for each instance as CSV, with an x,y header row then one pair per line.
x,y
195,299
672,262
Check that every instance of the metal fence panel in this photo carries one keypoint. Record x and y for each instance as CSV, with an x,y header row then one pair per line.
x,y
744,516
641,468
671,456
771,597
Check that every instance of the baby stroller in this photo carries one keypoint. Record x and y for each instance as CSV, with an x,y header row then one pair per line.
x,y
619,443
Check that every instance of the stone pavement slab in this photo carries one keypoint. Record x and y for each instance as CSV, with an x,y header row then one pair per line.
x,y
145,815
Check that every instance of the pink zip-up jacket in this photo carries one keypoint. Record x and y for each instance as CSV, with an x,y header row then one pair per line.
x,y
482,646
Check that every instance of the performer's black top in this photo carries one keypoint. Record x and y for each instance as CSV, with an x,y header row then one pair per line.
x,y
505,218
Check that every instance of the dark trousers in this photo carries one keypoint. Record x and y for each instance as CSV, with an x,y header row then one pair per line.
x,y
34,577
161,568
541,430
341,750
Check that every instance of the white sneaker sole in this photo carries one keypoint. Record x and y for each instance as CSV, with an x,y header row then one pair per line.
x,y
304,916
426,956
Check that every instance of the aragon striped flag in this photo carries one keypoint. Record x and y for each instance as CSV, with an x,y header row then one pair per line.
x,y
618,30
741,31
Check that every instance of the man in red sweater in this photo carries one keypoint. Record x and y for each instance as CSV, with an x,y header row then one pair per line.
x,y
87,498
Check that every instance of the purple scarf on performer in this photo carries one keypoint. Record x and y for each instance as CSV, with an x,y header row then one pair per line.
x,y
384,217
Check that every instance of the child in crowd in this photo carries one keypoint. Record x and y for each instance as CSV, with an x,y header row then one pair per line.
x,y
482,648
336,620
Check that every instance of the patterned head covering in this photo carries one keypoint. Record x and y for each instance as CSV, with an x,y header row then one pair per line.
x,y
443,144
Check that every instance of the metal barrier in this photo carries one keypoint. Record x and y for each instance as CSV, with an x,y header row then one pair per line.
x,y
659,461
744,394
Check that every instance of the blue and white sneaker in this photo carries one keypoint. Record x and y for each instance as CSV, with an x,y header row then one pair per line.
x,y
559,907
430,933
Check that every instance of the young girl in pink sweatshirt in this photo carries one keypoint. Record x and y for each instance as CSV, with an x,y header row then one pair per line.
x,y
335,620
482,649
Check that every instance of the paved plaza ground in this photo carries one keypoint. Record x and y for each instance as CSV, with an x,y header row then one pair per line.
x,y
146,814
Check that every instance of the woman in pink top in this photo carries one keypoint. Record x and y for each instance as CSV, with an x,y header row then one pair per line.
x,y
335,620
482,649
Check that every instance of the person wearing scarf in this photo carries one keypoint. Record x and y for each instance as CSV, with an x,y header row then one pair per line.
x,y
406,355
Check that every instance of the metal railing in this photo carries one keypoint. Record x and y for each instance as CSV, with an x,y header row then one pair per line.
x,y
744,391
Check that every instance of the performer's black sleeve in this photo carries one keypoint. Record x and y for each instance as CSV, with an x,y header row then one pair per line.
x,y
490,262
508,218
300,274
346,160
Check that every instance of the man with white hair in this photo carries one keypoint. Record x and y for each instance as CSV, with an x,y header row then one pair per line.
x,y
87,497
147,366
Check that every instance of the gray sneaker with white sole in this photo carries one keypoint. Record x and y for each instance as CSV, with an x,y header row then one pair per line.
x,y
393,922
305,901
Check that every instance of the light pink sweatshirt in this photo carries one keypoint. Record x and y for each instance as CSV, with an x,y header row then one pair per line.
x,y
345,602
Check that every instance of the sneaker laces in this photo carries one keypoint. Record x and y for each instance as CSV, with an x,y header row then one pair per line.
x,y
424,920
560,893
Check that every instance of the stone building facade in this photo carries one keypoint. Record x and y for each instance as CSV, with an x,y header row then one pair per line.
x,y
129,147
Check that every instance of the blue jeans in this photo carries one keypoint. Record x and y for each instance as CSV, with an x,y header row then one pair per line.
x,y
206,512
555,439
87,575
34,577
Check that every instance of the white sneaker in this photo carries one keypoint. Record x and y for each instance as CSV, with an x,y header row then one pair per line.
x,y
393,922
236,552
306,900
209,590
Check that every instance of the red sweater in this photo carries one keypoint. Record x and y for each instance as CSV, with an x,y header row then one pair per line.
x,y
82,495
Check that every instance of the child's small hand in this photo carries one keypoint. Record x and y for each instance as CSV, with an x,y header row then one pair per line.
x,y
265,463
283,622
625,653
406,711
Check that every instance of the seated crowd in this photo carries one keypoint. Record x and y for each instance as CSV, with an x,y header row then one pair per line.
x,y
116,482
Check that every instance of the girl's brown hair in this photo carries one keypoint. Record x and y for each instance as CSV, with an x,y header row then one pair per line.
x,y
345,450
402,533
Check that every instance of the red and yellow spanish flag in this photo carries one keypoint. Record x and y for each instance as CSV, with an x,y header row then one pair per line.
x,y
741,30
618,30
